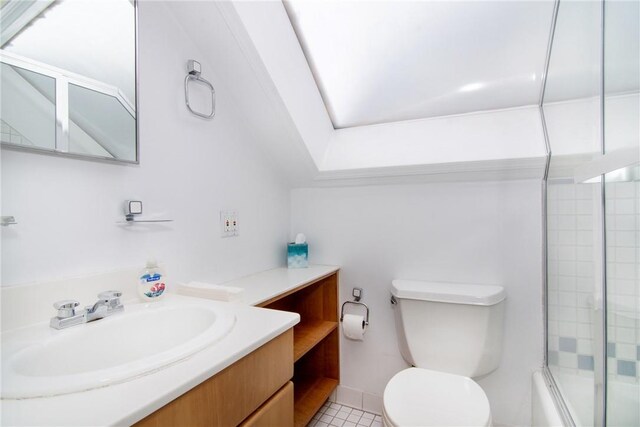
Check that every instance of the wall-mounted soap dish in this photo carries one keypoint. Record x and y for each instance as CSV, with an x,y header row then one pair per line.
x,y
7,220
133,208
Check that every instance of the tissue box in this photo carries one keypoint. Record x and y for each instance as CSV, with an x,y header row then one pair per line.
x,y
297,255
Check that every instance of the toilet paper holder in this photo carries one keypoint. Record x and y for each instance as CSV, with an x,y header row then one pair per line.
x,y
357,294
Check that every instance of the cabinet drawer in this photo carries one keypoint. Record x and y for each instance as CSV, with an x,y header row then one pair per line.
x,y
276,412
231,395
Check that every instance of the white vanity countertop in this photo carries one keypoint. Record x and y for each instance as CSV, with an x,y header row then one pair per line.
x,y
266,285
129,402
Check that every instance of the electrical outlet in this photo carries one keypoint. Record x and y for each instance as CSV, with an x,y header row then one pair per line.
x,y
229,225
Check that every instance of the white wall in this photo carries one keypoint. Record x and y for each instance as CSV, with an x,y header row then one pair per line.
x,y
190,169
467,232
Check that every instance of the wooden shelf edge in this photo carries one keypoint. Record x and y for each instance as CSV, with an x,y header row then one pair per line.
x,y
309,398
307,335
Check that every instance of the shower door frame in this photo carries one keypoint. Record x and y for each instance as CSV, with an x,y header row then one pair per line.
x,y
600,322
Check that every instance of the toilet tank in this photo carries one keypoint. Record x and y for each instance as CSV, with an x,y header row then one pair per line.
x,y
449,327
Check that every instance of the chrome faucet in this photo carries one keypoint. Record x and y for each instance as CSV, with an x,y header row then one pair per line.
x,y
108,303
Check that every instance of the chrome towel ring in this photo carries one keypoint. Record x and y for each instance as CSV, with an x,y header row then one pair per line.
x,y
194,69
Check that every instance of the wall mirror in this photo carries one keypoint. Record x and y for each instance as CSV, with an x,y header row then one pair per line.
x,y
68,77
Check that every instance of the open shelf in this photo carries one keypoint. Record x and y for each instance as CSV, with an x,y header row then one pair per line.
x,y
316,344
309,395
308,334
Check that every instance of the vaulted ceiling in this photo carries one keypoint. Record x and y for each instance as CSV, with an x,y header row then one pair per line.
x,y
369,90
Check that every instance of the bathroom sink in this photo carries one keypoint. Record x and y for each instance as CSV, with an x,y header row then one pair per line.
x,y
39,361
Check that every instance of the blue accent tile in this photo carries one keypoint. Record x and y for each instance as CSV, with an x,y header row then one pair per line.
x,y
611,349
552,358
585,362
568,344
627,368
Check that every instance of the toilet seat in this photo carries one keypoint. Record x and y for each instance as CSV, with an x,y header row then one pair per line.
x,y
421,397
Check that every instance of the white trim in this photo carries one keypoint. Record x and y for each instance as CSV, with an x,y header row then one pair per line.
x,y
61,103
488,170
605,163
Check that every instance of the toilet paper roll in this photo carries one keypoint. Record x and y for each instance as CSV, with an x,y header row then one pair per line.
x,y
354,326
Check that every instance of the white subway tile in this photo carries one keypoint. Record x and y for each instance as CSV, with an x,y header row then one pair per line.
x,y
610,207
584,299
585,315
585,284
567,253
566,237
625,239
567,299
566,268
567,207
567,329
625,335
625,254
566,283
625,190
584,238
567,222
567,360
626,271
567,192
567,314
625,206
584,207
623,321
584,191
584,222
585,346
584,269
625,222
584,330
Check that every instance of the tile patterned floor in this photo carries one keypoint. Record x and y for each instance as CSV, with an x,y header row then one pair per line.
x,y
334,415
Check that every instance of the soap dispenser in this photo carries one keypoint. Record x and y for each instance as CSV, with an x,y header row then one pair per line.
x,y
151,285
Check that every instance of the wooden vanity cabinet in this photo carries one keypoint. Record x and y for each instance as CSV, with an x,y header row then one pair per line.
x,y
255,390
277,411
315,343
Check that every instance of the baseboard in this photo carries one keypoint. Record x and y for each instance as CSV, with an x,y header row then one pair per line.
x,y
358,399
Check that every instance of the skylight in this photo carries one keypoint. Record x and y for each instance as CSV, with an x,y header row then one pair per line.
x,y
379,62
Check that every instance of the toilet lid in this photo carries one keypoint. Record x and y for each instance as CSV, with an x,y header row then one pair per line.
x,y
420,397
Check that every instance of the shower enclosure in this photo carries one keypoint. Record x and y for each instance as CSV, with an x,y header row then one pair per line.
x,y
591,114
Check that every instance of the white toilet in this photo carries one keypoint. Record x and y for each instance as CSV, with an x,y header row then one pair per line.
x,y
450,332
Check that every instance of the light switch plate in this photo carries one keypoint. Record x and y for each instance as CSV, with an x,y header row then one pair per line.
x,y
229,224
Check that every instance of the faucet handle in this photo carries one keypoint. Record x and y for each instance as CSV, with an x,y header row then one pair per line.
x,y
109,295
66,308
112,298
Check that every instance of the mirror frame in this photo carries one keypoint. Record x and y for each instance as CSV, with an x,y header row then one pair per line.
x,y
56,152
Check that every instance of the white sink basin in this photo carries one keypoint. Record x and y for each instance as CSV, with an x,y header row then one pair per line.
x,y
39,361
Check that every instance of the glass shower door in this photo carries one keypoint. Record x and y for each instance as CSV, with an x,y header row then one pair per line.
x,y
622,206
571,111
